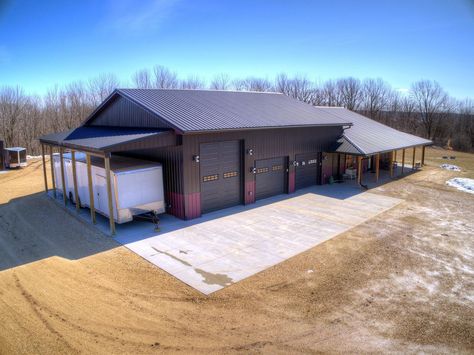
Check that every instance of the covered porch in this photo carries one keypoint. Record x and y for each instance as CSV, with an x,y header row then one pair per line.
x,y
101,142
350,164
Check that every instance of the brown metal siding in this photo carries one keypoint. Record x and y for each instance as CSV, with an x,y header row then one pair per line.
x,y
265,144
122,112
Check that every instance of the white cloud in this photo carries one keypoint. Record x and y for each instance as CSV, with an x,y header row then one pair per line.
x,y
138,16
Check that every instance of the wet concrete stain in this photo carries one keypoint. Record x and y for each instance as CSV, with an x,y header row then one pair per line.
x,y
209,278
215,279
172,256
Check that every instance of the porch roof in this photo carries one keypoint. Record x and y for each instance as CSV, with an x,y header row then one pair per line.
x,y
368,137
105,140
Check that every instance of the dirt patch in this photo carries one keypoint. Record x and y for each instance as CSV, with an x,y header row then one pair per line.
x,y
401,282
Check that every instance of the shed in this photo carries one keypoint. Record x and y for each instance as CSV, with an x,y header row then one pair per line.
x,y
217,148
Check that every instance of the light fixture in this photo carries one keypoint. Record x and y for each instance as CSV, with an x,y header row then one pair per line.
x,y
253,170
250,151
196,158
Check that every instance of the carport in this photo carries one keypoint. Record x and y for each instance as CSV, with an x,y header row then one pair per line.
x,y
101,142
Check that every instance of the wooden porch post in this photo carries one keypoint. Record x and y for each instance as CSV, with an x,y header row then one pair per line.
x,y
359,169
423,155
413,159
52,169
403,160
109,194
74,179
377,167
392,153
44,169
91,188
63,180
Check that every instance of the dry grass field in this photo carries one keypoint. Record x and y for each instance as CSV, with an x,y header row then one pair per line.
x,y
401,282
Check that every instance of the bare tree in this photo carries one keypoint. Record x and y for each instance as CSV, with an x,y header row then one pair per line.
x,y
192,82
102,86
350,91
221,82
299,87
142,79
330,94
164,78
12,107
431,103
253,84
375,95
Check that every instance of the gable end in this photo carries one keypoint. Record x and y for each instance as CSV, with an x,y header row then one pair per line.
x,y
120,111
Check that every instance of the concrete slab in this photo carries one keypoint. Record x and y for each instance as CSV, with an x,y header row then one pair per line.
x,y
224,247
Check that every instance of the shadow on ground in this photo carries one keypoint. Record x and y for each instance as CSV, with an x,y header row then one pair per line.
x,y
33,228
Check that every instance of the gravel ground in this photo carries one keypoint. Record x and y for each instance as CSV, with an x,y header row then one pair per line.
x,y
401,282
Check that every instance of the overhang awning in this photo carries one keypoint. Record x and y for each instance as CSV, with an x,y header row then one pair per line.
x,y
368,137
104,140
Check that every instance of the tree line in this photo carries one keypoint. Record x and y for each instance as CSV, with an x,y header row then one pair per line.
x,y
425,110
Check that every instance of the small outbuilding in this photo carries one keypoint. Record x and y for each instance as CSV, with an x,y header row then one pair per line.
x,y
223,148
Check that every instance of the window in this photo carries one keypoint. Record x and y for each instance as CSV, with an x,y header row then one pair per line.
x,y
230,174
210,178
277,167
262,170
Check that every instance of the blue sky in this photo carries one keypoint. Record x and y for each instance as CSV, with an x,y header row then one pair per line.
x,y
43,43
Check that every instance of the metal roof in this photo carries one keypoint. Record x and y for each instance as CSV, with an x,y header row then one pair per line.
x,y
101,139
366,136
212,110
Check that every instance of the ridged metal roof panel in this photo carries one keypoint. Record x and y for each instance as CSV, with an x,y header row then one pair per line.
x,y
208,110
99,138
369,137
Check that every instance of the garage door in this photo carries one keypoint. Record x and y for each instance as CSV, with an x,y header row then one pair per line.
x,y
307,171
220,175
270,177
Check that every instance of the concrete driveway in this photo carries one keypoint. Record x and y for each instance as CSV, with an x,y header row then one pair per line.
x,y
224,247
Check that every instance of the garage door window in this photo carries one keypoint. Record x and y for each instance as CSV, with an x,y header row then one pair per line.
x,y
262,170
210,178
277,167
230,174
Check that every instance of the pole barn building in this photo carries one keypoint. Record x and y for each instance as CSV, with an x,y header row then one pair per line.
x,y
222,148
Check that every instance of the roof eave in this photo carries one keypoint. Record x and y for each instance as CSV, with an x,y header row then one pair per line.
x,y
188,132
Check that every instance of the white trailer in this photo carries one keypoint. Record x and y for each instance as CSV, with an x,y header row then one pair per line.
x,y
15,157
137,185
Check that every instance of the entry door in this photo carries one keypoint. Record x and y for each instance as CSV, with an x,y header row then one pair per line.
x,y
308,170
271,177
220,174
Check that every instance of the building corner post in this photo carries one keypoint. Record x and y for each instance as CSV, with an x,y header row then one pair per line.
x,y
91,188
51,160
392,154
359,169
377,167
44,169
63,180
74,179
109,194
423,155
403,160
